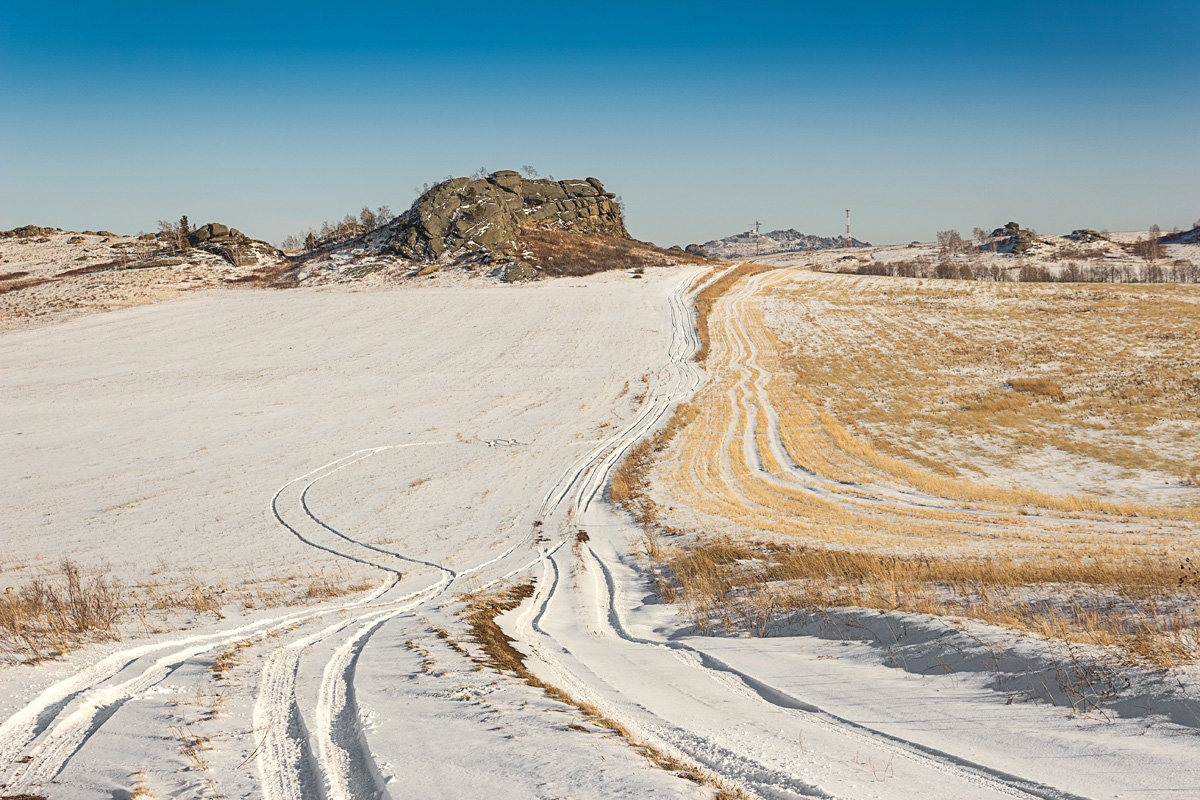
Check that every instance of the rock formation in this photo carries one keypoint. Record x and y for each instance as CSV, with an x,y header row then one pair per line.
x,y
1015,239
481,219
231,244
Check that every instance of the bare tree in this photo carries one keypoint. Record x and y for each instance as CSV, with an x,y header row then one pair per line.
x,y
367,219
173,232
529,171
949,243
619,202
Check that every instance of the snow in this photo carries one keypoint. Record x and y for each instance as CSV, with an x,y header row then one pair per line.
x,y
434,439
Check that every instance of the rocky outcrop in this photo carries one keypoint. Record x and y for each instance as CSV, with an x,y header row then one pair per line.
x,y
231,244
1086,235
481,219
216,233
696,250
28,231
1015,239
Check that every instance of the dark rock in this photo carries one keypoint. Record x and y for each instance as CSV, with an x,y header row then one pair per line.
x,y
26,231
199,235
517,271
696,250
213,231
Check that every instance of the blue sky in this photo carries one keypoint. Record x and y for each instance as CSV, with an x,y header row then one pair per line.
x,y
702,116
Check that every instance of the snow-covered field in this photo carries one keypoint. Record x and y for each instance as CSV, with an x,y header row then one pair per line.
x,y
435,440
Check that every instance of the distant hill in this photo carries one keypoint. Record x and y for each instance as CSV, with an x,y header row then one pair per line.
x,y
741,245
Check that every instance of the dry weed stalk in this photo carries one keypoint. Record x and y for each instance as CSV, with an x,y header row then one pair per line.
x,y
48,617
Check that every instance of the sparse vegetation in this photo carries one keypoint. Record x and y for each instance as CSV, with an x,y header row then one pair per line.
x,y
878,385
559,252
50,616
333,231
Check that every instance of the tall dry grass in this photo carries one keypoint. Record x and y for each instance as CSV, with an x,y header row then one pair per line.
x,y
724,584
50,616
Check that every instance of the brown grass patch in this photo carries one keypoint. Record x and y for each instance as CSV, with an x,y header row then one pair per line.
x,y
273,276
1038,386
561,252
18,284
725,584
710,295
48,617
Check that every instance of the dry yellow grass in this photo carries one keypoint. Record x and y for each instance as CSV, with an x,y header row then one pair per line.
x,y
49,616
846,418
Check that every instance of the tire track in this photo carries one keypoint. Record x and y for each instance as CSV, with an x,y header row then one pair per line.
x,y
571,671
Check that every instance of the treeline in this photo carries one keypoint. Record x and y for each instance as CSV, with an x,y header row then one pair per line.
x,y
1179,271
333,231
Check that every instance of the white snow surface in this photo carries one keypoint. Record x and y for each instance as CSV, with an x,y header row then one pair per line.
x,y
435,441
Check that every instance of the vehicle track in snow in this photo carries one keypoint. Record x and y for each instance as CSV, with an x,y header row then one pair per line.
x,y
303,749
751,761
40,739
319,748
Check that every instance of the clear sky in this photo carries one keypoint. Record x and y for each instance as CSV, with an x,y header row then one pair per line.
x,y
702,116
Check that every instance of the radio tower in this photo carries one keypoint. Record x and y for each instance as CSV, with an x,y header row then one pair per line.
x,y
849,241
757,239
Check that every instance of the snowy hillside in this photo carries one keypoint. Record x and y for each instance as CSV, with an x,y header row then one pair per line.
x,y
362,544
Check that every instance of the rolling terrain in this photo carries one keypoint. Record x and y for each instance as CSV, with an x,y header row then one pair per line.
x,y
439,458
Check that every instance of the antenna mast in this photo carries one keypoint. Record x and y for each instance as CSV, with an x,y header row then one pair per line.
x,y
757,239
849,241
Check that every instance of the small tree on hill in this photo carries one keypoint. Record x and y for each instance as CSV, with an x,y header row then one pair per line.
x,y
949,243
367,219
